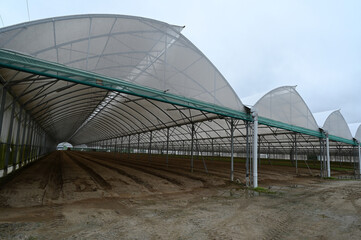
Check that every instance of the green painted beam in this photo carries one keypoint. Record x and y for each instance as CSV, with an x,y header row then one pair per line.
x,y
29,64
25,63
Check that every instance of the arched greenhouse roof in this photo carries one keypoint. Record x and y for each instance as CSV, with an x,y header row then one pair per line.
x,y
322,116
353,128
336,125
358,134
284,104
140,50
144,54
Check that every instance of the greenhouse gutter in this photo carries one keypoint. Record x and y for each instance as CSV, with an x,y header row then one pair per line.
x,y
29,64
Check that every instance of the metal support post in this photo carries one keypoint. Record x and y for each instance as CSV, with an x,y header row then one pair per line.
x,y
247,153
30,143
255,142
167,144
36,136
232,165
212,149
16,148
9,138
295,154
129,147
138,150
359,159
22,147
2,107
321,157
150,146
192,143
115,148
328,156
121,146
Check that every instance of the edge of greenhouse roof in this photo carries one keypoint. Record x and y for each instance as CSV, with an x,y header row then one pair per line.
x,y
79,16
321,117
358,134
339,129
30,64
26,63
251,100
353,128
236,101
306,121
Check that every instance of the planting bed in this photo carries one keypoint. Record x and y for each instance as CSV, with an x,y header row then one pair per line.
x,y
92,195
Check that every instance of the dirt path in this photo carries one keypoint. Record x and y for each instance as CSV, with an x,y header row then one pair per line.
x,y
75,195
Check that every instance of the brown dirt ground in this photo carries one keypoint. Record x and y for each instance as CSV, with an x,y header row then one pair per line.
x,y
78,195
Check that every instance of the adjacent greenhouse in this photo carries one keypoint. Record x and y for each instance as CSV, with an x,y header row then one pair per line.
x,y
136,85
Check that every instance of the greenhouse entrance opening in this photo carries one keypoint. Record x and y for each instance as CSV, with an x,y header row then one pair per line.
x,y
64,146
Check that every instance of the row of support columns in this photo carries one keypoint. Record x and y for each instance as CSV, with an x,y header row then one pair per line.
x,y
233,124
251,152
359,159
29,142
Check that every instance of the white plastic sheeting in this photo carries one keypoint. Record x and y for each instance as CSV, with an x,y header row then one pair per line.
x,y
148,53
144,51
353,128
284,104
336,125
358,134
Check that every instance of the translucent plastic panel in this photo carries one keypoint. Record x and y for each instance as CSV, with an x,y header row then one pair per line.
x,y
28,38
353,128
358,134
322,116
144,51
336,125
285,105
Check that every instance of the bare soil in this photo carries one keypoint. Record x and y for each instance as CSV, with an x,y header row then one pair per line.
x,y
79,195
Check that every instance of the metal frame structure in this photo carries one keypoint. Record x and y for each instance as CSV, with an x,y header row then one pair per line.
x,y
156,96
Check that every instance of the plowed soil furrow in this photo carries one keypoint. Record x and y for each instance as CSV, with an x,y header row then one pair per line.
x,y
124,173
163,168
218,170
143,169
54,186
161,163
96,177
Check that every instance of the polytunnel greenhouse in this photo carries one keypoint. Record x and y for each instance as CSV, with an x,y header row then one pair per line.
x,y
138,86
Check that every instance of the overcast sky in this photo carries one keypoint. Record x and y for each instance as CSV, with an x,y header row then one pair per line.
x,y
256,45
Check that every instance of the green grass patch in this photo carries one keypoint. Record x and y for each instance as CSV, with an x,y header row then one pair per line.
x,y
263,190
330,178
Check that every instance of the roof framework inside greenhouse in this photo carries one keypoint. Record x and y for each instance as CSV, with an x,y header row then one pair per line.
x,y
90,78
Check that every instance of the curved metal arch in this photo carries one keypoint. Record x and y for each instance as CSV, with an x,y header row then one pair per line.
x,y
128,113
56,103
68,114
100,130
59,112
104,119
48,93
55,109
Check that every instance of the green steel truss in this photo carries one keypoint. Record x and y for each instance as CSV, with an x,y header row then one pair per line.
x,y
29,64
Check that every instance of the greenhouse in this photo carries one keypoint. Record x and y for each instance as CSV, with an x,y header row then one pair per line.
x,y
130,84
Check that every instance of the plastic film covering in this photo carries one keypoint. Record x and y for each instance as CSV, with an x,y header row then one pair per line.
x,y
144,51
353,128
322,116
358,134
336,125
284,104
